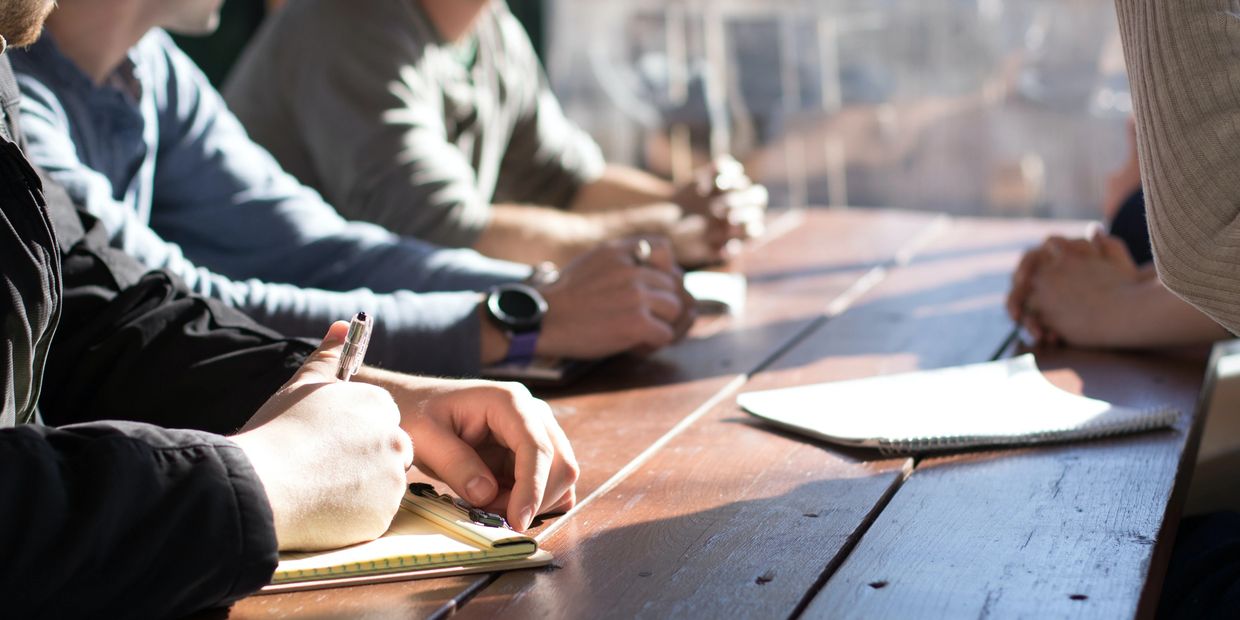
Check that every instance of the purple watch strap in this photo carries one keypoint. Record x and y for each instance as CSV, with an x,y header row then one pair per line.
x,y
521,348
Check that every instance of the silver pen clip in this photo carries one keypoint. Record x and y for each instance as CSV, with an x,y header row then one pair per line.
x,y
355,344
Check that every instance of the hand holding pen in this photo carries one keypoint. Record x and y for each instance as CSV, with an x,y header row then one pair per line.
x,y
331,454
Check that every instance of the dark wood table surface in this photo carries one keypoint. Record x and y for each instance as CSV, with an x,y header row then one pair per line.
x,y
690,509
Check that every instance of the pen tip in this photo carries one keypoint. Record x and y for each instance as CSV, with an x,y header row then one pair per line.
x,y
361,316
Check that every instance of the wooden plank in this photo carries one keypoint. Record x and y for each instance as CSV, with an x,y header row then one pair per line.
x,y
624,407
732,519
1064,531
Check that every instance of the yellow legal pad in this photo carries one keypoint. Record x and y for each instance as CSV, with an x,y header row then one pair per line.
x,y
427,538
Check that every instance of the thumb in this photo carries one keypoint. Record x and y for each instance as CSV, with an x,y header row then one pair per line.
x,y
320,366
457,464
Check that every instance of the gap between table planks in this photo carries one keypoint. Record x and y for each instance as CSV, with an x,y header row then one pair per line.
x,y
729,518
624,407
1073,530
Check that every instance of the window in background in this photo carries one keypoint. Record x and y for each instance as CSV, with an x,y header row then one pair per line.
x,y
1004,107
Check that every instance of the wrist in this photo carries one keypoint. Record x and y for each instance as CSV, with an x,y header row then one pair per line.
x,y
518,311
1121,326
649,219
580,233
493,340
258,453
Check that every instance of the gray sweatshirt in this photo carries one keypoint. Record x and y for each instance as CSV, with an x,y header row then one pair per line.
x,y
1184,66
365,102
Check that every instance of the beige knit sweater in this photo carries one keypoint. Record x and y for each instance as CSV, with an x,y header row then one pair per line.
x,y
1184,66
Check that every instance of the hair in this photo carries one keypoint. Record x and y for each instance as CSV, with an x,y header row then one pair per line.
x,y
21,21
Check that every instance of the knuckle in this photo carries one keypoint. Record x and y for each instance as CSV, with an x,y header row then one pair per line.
x,y
629,272
543,451
398,442
572,470
635,297
633,331
516,391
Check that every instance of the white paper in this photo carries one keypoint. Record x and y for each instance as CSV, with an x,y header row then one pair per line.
x,y
1002,402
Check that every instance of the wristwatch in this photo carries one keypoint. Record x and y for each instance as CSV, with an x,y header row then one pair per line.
x,y
517,309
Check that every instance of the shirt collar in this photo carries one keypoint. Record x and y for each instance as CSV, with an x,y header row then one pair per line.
x,y
124,80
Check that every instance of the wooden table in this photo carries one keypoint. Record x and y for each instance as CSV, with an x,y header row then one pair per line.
x,y
690,509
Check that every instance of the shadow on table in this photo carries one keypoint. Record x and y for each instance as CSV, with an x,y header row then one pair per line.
x,y
733,351
957,322
958,313
749,554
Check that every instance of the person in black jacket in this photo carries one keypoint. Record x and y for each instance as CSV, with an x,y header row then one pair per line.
x,y
131,518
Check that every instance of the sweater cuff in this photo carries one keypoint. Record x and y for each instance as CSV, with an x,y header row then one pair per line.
x,y
436,334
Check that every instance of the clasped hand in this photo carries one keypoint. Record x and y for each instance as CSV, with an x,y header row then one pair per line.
x,y
1073,291
722,206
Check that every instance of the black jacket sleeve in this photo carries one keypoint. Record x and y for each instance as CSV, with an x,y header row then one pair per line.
x,y
126,520
137,345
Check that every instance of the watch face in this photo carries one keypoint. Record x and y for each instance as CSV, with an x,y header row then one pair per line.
x,y
517,306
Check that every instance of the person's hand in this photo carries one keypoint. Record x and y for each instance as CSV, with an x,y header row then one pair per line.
x,y
612,300
1078,293
494,444
331,455
1022,280
721,207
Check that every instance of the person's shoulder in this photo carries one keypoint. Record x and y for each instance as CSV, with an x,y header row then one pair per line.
x,y
510,36
42,63
157,54
43,77
154,44
161,65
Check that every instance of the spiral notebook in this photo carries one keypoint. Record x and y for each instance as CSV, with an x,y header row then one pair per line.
x,y
431,536
1002,403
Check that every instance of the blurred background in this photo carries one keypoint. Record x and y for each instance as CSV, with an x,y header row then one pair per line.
x,y
996,107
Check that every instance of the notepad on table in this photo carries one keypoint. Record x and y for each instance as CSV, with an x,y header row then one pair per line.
x,y
1002,403
717,292
427,538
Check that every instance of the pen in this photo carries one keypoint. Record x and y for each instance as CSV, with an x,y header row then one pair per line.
x,y
355,343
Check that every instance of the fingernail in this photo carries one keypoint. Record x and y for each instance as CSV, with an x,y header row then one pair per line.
x,y
525,518
478,490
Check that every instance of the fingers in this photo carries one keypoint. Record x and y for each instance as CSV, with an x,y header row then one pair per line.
x,y
500,448
320,366
687,317
532,470
1021,279
651,332
661,255
666,308
458,464
659,293
1114,249
563,486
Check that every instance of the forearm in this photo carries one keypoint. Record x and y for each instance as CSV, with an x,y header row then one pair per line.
x,y
1186,91
531,235
1151,316
430,333
132,346
622,186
